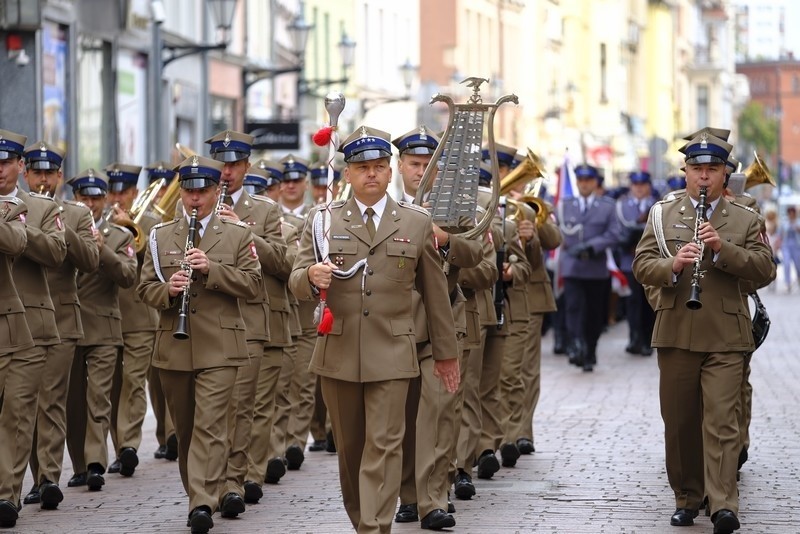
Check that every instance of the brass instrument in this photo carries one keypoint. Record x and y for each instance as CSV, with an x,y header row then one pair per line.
x,y
133,227
181,331
530,172
169,200
345,191
758,173
450,182
41,190
694,294
529,169
185,151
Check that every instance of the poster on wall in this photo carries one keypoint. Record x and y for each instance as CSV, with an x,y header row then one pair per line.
x,y
54,84
131,110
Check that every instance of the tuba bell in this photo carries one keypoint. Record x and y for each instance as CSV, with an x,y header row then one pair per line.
x,y
529,169
528,172
758,173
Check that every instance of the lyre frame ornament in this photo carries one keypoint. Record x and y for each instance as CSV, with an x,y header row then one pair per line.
x,y
474,103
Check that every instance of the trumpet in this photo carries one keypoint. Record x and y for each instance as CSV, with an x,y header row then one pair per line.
x,y
694,294
181,331
42,191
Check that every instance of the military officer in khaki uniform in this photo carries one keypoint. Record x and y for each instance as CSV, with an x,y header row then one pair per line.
x,y
46,249
14,335
165,431
43,173
262,216
128,396
369,355
431,426
89,396
701,351
260,466
199,373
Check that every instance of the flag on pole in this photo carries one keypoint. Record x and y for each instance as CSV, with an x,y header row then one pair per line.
x,y
566,189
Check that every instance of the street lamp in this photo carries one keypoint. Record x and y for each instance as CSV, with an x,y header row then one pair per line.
x,y
347,48
222,11
407,72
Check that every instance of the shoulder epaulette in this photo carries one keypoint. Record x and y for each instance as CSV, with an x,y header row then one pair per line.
x,y
748,208
37,195
338,203
237,223
163,224
121,228
262,198
10,200
670,197
404,204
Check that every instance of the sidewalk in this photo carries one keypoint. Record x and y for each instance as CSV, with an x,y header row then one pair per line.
x,y
598,466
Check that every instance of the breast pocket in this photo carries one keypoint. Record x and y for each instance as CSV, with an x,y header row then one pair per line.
x,y
402,261
344,254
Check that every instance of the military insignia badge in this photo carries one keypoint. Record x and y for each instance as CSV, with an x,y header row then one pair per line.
x,y
59,224
130,252
401,264
253,252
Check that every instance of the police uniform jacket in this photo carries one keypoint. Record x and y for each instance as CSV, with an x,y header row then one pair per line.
x,y
263,216
14,332
723,322
632,215
598,227
82,255
46,249
540,289
215,325
373,337
99,291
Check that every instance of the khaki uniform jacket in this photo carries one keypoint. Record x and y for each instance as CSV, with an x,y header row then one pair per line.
x,y
305,309
99,291
263,216
540,289
83,256
14,332
290,324
46,249
216,327
517,288
136,315
723,322
477,283
373,337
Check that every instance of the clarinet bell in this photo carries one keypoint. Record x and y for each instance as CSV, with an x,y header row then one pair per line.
x,y
181,331
694,298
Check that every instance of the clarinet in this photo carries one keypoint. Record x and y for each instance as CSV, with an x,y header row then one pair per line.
x,y
694,294
223,190
181,332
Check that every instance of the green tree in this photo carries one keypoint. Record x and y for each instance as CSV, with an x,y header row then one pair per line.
x,y
758,131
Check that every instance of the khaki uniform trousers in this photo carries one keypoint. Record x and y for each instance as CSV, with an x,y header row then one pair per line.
x,y
263,414
368,421
431,430
200,403
699,396
746,405
320,424
17,418
89,405
280,419
128,396
240,419
47,452
470,430
301,392
511,390
521,395
164,426
491,434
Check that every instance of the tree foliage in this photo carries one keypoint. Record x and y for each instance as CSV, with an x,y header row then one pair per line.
x,y
757,130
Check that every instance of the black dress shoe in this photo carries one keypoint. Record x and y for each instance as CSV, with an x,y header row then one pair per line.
x,y
463,487
683,517
33,496
172,448
95,480
725,522
8,514
437,520
588,367
525,446
743,455
232,506
407,513
78,479
275,470
632,348
200,520
252,492
318,445
451,509
128,460
161,452
114,467
509,453
51,495
487,465
647,350
330,446
294,457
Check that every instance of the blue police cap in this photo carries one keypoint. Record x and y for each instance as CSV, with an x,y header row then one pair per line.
x,y
640,177
485,174
160,169
12,144
294,168
505,154
256,179
230,146
676,182
44,157
121,177
706,148
198,172
272,169
731,164
366,144
89,183
419,141
319,175
587,172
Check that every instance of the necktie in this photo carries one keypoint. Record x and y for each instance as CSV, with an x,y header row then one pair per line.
x,y
198,235
370,222
228,201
